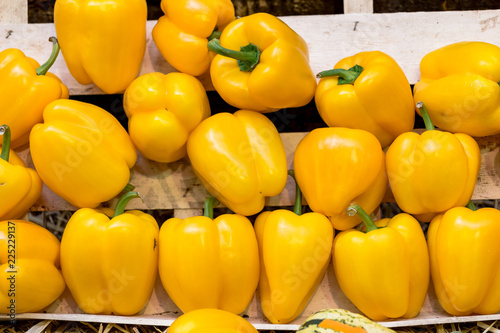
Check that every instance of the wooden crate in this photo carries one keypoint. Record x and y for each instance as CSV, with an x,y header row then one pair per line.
x,y
407,37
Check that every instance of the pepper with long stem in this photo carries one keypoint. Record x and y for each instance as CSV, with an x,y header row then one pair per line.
x,y
429,126
124,200
208,209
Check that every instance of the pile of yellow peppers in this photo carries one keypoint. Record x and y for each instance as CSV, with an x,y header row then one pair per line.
x,y
210,266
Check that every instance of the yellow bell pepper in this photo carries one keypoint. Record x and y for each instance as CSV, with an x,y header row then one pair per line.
x,y
21,186
239,158
336,167
209,263
432,172
367,91
262,65
211,321
102,41
163,110
464,254
27,88
460,85
384,270
110,264
82,152
294,255
182,34
30,279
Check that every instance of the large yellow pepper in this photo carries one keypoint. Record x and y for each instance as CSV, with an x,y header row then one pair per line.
x,y
384,270
367,91
110,264
82,152
27,88
211,321
209,263
465,260
432,172
460,85
163,110
102,41
239,158
182,34
294,255
21,186
30,278
336,167
262,65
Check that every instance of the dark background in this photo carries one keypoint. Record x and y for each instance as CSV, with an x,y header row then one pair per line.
x,y
302,119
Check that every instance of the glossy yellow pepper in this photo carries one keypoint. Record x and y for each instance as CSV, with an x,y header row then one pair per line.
x,y
294,252
211,321
110,264
182,34
384,270
209,263
465,253
163,110
21,186
27,88
460,85
239,158
30,279
367,91
262,65
82,152
336,167
432,172
102,41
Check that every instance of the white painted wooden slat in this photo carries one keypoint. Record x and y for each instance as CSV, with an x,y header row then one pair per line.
x,y
13,11
175,186
358,6
407,37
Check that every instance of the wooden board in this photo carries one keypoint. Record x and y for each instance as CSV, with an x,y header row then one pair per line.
x,y
407,37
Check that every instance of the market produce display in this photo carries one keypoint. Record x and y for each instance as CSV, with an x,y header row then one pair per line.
x,y
213,267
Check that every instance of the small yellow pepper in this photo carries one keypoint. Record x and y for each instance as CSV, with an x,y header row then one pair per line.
x,y
432,172
209,263
336,167
110,264
239,158
367,91
20,186
295,252
465,260
262,65
384,270
102,41
460,85
30,279
27,88
82,152
182,34
211,321
163,110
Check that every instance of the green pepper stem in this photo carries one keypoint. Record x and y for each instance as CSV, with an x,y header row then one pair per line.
x,y
297,208
42,70
346,76
471,205
248,56
355,209
429,126
128,188
120,206
210,203
5,131
215,34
